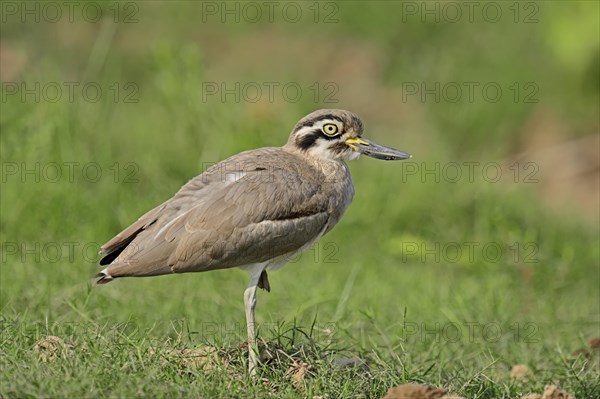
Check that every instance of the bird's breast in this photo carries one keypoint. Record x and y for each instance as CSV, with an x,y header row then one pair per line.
x,y
337,190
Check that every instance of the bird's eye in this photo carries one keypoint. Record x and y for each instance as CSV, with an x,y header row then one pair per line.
x,y
330,129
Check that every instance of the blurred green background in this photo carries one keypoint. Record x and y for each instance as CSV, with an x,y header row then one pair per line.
x,y
108,108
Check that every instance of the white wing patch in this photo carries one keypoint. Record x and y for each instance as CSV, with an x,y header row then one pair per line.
x,y
232,177
166,226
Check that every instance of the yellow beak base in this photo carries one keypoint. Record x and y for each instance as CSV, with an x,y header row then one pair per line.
x,y
353,141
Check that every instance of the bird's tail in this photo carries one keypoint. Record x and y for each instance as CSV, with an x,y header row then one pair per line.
x,y
103,277
132,269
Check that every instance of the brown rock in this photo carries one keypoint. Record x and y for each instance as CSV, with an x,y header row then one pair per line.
x,y
52,348
203,358
415,391
554,392
520,372
297,372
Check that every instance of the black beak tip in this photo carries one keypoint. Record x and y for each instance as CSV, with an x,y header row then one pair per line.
x,y
379,151
393,155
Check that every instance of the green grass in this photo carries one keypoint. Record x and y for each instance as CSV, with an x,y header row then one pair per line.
x,y
386,286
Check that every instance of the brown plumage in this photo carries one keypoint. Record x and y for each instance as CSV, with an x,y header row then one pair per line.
x,y
234,214
254,210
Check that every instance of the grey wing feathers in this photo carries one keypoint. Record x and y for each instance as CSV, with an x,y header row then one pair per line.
x,y
238,212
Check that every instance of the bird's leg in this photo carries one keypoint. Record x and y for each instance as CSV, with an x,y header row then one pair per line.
x,y
249,306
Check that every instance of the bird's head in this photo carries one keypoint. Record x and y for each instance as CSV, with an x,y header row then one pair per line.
x,y
337,134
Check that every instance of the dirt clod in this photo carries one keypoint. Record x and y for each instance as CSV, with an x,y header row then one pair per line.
x,y
554,392
417,391
297,372
520,372
204,358
550,392
52,348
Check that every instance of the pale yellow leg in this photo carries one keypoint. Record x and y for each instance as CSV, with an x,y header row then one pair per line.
x,y
249,306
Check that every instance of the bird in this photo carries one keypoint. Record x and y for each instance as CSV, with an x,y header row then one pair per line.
x,y
255,210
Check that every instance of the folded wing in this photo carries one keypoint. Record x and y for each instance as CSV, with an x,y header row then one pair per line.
x,y
253,207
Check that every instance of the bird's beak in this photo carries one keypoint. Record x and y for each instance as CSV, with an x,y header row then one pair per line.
x,y
375,150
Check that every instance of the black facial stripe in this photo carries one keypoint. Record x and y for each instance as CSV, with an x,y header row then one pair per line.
x,y
318,119
308,140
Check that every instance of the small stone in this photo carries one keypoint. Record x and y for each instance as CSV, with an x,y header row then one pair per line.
x,y
52,348
554,392
204,358
350,362
297,372
200,358
415,391
520,372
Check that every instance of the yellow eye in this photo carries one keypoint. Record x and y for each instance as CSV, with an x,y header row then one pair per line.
x,y
330,129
